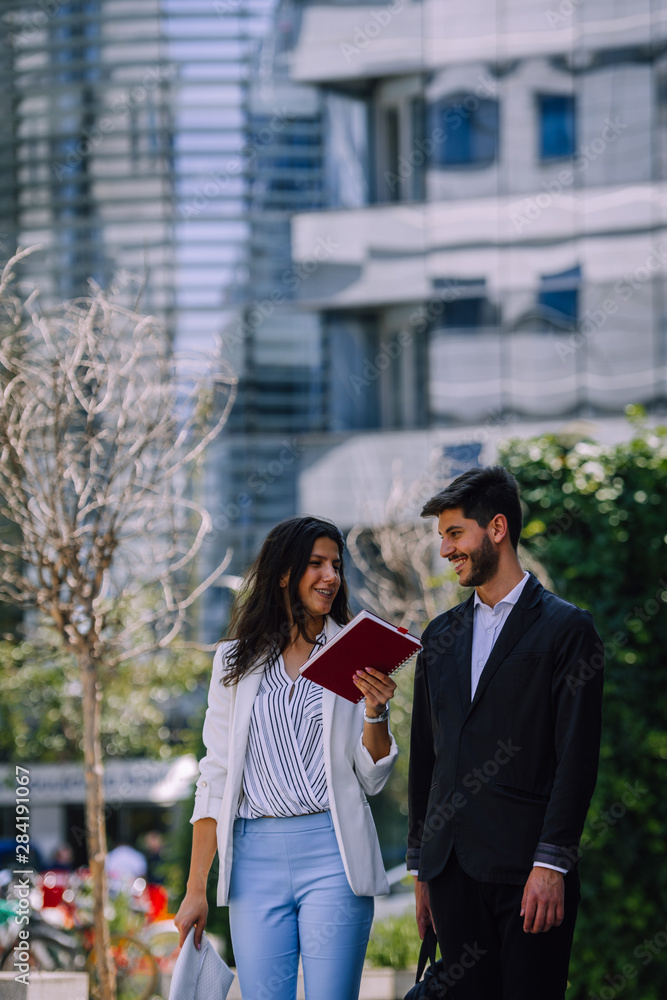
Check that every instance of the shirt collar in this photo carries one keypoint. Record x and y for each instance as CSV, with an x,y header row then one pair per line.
x,y
510,598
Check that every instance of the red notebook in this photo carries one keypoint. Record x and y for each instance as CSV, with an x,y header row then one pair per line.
x,y
366,641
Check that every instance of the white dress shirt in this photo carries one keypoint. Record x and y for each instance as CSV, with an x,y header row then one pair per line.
x,y
487,626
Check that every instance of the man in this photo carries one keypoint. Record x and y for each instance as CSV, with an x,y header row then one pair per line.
x,y
504,754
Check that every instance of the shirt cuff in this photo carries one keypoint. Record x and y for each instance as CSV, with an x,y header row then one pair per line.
x,y
554,856
555,868
206,807
412,860
393,750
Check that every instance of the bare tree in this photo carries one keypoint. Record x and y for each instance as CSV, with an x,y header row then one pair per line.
x,y
404,578
398,561
101,431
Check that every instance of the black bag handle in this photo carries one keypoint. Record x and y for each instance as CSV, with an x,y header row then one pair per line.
x,y
427,951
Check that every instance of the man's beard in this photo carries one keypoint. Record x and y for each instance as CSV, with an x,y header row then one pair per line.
x,y
483,564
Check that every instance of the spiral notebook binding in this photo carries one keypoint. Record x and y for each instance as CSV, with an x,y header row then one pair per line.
x,y
398,666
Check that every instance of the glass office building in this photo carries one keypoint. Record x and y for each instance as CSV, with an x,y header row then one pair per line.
x,y
417,226
494,186
123,125
125,156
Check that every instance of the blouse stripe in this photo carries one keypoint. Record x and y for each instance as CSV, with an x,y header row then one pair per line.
x,y
284,771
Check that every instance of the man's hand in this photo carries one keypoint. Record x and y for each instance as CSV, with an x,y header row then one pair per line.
x,y
423,907
542,906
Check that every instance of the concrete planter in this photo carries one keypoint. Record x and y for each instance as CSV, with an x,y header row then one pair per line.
x,y
376,984
45,986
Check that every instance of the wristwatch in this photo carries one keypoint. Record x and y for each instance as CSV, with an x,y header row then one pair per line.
x,y
378,718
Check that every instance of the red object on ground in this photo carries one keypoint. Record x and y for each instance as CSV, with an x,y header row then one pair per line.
x,y
158,903
54,884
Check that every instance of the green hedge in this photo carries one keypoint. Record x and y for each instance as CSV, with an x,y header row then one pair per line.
x,y
394,942
598,523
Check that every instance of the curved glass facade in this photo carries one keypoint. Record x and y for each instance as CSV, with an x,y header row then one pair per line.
x,y
122,148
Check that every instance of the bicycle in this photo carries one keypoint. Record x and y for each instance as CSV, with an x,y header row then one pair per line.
x,y
62,938
49,949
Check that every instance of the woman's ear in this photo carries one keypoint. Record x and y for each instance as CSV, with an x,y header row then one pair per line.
x,y
284,579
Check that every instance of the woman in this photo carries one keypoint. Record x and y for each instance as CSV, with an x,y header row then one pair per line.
x,y
282,789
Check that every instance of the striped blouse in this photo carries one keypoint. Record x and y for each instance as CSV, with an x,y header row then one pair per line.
x,y
283,773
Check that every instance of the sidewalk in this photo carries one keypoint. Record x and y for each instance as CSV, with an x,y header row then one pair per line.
x,y
376,984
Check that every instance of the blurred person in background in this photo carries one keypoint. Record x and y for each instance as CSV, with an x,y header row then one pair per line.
x,y
63,858
153,848
123,865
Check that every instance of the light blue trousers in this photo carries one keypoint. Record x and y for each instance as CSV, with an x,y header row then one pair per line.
x,y
289,896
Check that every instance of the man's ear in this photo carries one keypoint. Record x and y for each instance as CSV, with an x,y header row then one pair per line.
x,y
498,528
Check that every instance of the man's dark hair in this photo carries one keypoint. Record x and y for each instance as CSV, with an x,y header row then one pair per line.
x,y
481,494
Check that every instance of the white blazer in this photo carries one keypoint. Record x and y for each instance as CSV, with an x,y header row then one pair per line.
x,y
349,768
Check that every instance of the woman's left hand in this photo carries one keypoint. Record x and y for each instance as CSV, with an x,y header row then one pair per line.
x,y
377,688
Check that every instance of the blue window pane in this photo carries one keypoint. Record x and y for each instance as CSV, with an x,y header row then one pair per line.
x,y
470,129
559,297
557,126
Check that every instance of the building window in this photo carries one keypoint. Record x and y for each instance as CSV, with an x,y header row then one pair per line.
x,y
402,154
470,128
463,304
558,298
346,150
557,125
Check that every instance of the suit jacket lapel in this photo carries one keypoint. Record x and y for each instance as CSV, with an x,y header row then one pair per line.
x,y
520,618
463,650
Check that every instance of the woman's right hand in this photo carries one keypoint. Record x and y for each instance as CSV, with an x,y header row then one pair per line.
x,y
192,911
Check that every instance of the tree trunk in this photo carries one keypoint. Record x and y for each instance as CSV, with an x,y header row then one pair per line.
x,y
95,823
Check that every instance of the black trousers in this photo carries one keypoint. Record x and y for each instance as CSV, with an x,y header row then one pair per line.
x,y
487,955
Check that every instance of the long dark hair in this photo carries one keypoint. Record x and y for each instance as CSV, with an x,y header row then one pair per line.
x,y
259,621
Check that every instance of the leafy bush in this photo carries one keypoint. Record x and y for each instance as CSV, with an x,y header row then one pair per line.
x,y
597,523
394,943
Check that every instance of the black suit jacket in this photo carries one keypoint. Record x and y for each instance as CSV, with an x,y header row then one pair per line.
x,y
507,779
